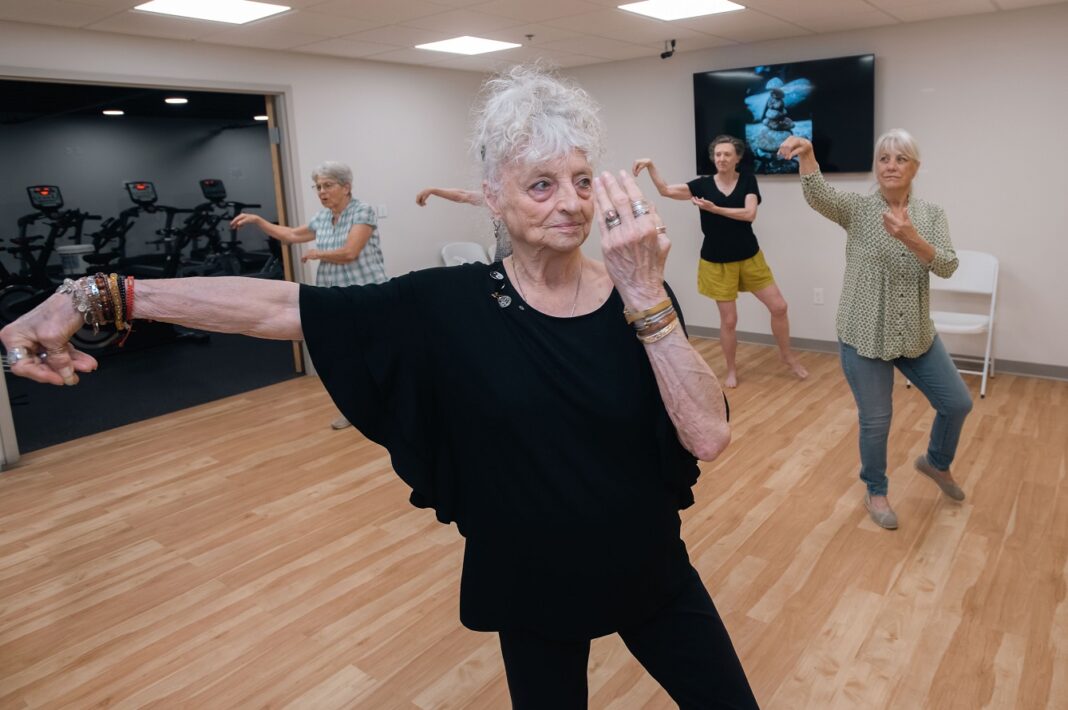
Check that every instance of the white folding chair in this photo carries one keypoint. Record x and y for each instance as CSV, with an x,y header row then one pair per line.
x,y
976,274
456,253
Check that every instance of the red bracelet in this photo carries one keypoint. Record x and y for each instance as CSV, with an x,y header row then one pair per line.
x,y
129,299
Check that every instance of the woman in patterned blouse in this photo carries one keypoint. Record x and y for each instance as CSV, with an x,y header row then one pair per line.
x,y
345,232
893,240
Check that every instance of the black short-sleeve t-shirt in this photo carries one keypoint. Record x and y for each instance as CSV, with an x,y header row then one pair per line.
x,y
726,239
544,439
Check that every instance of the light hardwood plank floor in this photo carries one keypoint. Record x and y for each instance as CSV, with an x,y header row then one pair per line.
x,y
243,554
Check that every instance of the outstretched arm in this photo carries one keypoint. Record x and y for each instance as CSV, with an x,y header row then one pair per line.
x,y
679,191
453,194
261,308
286,235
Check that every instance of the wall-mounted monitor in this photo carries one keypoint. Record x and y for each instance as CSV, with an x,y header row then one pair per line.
x,y
829,101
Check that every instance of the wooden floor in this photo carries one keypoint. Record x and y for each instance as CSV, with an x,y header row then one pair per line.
x,y
243,554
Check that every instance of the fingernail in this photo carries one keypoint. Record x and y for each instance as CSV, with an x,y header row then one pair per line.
x,y
69,378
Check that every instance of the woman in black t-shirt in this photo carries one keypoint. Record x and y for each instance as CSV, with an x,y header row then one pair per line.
x,y
594,404
731,260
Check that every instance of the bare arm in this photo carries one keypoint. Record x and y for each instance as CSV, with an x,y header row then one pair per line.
x,y
286,235
742,214
453,194
261,308
679,191
358,237
635,254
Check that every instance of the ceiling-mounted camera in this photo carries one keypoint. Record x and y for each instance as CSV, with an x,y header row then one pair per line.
x,y
669,49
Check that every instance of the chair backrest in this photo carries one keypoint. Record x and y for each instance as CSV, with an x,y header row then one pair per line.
x,y
977,272
456,253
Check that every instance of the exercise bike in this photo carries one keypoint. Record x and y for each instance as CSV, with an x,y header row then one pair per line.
x,y
36,280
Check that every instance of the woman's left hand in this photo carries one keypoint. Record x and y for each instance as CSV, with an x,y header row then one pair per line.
x,y
705,205
636,247
310,255
38,344
899,226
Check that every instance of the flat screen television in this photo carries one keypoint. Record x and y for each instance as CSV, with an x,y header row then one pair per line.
x,y
829,101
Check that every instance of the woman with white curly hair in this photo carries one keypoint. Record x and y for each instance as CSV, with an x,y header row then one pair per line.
x,y
593,405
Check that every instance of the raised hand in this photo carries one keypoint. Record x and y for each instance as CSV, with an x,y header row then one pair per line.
x,y
641,164
38,344
635,246
422,197
795,147
243,219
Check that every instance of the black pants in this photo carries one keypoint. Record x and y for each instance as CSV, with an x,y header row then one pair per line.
x,y
685,647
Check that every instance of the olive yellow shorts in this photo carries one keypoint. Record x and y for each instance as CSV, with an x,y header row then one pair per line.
x,y
722,282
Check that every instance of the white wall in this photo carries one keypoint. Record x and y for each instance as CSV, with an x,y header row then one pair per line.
x,y
982,93
984,96
401,128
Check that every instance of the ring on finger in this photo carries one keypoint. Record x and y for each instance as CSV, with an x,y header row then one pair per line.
x,y
613,223
661,229
639,207
14,355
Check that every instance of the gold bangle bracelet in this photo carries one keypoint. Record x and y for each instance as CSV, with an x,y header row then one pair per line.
x,y
632,316
660,334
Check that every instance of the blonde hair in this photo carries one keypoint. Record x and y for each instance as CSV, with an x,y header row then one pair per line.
x,y
899,140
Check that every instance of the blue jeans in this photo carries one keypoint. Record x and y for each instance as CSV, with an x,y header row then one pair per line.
x,y
872,382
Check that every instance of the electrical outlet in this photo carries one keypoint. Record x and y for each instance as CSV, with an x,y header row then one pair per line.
x,y
817,296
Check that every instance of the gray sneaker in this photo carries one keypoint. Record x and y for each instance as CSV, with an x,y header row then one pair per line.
x,y
944,479
883,518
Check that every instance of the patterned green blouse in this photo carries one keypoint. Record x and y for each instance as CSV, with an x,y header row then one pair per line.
x,y
885,311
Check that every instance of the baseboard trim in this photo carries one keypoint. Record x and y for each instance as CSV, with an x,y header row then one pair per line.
x,y
1009,367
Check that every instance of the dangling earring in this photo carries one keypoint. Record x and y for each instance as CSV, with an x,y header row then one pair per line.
x,y
496,229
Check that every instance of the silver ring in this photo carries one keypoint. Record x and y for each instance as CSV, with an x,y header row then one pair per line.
x,y
611,219
639,207
14,355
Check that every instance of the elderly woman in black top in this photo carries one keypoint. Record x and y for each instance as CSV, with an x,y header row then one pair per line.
x,y
731,260
596,403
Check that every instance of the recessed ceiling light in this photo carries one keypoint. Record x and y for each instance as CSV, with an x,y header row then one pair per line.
x,y
261,117
467,45
113,112
236,12
680,9
176,100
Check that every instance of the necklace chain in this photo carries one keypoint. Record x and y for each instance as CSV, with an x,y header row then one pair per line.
x,y
578,284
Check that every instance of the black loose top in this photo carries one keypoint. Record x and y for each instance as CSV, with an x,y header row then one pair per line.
x,y
544,439
726,239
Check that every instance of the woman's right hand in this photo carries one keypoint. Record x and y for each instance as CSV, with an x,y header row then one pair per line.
x,y
42,337
795,147
421,198
243,219
641,164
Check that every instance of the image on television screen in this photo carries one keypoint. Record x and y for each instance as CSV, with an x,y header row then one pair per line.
x,y
829,101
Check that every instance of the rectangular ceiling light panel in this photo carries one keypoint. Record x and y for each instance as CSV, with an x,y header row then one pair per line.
x,y
236,12
680,9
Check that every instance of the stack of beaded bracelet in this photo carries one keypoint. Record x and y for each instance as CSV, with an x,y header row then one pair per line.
x,y
102,299
653,323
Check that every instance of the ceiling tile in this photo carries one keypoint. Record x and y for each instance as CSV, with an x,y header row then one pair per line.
x,y
410,55
348,48
526,11
462,22
744,26
52,12
1017,4
399,35
542,34
263,36
625,27
848,21
383,12
315,23
599,47
934,9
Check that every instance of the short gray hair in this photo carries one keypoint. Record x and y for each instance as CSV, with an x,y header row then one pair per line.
x,y
528,115
900,140
333,170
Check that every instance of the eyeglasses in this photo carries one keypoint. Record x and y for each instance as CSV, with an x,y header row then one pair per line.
x,y
324,186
